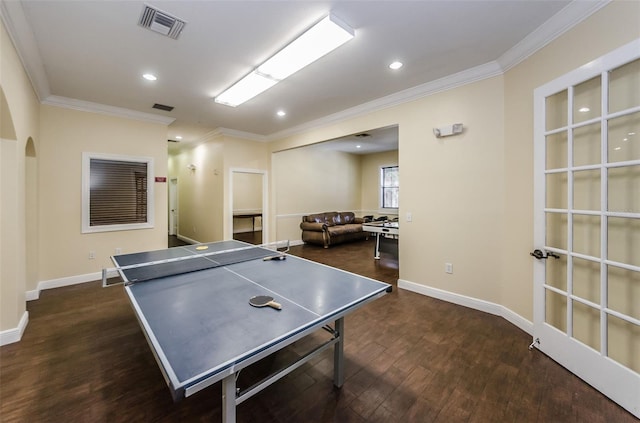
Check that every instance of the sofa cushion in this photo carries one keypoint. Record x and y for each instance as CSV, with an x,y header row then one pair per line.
x,y
320,217
344,229
343,218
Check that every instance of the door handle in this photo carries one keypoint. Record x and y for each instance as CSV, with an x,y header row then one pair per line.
x,y
542,256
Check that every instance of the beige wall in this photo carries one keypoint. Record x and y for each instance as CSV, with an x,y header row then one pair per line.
x,y
200,192
247,192
370,191
244,154
247,198
66,134
591,39
312,180
204,201
452,186
471,195
19,123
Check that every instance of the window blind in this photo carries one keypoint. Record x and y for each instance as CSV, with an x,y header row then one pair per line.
x,y
118,192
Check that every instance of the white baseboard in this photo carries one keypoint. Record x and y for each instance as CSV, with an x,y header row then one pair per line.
x,y
90,277
70,280
187,240
10,336
474,303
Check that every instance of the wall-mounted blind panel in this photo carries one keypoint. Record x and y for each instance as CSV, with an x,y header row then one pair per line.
x,y
118,192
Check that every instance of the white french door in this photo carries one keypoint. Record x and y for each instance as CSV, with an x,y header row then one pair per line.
x,y
587,223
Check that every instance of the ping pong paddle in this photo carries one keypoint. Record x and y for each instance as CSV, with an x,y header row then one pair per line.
x,y
263,301
276,257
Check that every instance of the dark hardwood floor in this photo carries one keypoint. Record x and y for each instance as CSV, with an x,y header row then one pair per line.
x,y
254,237
409,358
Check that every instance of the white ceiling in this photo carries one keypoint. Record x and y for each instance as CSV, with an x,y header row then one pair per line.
x,y
367,142
93,51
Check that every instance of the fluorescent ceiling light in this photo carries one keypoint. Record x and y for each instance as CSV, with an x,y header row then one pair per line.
x,y
324,37
245,89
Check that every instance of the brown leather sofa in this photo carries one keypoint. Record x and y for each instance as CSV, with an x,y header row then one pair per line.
x,y
332,228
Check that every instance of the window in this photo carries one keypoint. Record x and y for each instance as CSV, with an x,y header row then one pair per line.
x,y
390,186
117,192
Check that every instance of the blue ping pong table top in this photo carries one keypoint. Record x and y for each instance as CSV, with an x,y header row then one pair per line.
x,y
200,324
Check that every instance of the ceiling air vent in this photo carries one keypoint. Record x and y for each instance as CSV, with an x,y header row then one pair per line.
x,y
162,107
161,22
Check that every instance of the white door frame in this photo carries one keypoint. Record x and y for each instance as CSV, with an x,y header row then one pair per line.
x,y
173,206
265,209
614,380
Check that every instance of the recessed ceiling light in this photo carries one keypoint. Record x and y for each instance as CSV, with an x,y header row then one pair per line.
x,y
358,146
584,109
395,65
178,137
149,77
281,113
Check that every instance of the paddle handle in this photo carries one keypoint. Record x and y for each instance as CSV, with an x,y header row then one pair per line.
x,y
275,305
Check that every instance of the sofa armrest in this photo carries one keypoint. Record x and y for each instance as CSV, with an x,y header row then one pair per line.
x,y
313,226
359,220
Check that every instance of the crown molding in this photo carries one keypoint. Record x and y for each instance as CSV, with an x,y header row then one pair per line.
x,y
576,11
240,134
468,76
571,15
221,132
15,22
87,106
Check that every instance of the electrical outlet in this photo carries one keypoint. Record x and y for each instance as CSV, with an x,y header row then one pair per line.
x,y
92,255
448,268
118,250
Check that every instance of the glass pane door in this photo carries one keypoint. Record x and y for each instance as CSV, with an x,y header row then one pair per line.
x,y
587,301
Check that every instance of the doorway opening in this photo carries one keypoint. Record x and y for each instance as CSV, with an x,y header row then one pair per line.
x,y
248,205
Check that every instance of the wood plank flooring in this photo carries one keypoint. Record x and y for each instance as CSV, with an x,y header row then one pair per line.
x,y
409,358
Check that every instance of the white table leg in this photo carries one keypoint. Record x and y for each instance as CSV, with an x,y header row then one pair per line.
x,y
338,355
229,399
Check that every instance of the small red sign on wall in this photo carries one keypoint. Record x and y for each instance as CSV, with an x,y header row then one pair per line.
x,y
161,179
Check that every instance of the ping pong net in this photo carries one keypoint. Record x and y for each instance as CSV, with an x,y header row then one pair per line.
x,y
146,271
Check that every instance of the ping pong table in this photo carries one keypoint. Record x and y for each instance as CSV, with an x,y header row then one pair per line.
x,y
192,304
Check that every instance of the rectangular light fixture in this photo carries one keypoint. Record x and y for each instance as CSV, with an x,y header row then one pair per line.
x,y
322,38
245,89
